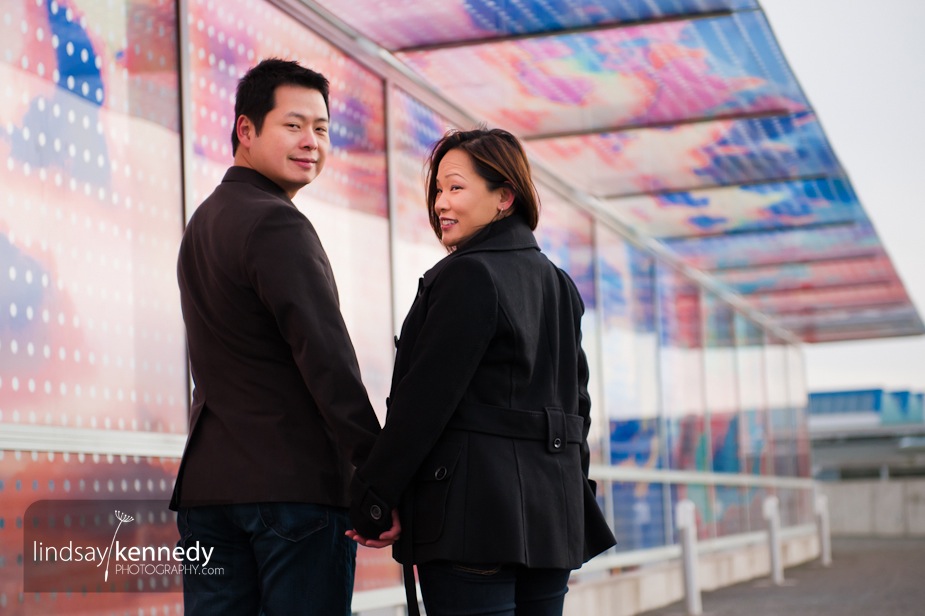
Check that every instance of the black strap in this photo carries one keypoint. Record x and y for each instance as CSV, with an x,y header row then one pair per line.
x,y
406,545
411,593
545,425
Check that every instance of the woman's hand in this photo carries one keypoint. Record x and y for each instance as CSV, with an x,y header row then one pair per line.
x,y
385,539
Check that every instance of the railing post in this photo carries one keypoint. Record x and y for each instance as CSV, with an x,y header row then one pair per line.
x,y
771,512
822,519
686,520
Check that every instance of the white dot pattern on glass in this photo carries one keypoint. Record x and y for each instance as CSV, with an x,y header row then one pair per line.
x,y
223,46
90,332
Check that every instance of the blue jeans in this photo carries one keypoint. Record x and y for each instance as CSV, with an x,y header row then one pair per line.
x,y
271,559
457,589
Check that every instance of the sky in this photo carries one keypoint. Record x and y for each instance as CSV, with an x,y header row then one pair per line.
x,y
862,66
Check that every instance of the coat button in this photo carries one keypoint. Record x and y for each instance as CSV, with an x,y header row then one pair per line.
x,y
440,473
375,512
557,443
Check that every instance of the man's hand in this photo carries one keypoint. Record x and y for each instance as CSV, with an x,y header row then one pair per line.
x,y
385,539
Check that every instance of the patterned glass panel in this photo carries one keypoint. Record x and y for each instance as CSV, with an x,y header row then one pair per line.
x,y
412,23
690,156
634,76
90,328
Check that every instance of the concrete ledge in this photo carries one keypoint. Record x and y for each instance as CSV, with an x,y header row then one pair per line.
x,y
876,508
653,586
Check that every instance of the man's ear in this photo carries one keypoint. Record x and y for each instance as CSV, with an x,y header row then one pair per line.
x,y
245,130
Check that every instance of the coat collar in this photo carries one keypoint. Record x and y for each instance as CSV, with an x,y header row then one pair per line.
x,y
511,233
257,179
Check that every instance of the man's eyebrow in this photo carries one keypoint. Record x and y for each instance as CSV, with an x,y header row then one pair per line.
x,y
304,118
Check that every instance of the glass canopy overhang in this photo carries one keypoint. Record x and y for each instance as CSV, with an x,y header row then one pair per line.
x,y
684,121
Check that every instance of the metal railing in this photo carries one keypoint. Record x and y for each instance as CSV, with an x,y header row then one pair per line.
x,y
611,560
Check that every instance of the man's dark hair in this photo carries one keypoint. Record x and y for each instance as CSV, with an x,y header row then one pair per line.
x,y
256,94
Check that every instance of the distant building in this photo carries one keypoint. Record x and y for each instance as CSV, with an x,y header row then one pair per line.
x,y
866,433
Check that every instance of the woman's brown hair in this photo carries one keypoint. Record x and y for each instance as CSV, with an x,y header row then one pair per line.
x,y
498,158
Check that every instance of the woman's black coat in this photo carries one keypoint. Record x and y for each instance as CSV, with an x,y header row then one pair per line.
x,y
485,442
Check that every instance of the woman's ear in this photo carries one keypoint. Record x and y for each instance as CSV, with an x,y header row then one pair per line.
x,y
507,198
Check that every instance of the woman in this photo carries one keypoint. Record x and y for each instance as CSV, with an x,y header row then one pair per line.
x,y
485,451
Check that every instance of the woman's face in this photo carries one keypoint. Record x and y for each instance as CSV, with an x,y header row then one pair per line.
x,y
464,203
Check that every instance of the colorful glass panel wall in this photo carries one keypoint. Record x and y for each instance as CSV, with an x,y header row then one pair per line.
x,y
690,156
654,73
414,23
721,389
754,435
782,416
753,397
566,237
681,375
629,383
628,350
415,247
682,115
839,273
721,394
755,207
90,330
629,359
641,517
743,251
681,371
798,399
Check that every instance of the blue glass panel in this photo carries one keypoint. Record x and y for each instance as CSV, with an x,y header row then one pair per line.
x,y
823,201
854,401
639,515
731,513
690,156
634,443
724,430
565,235
774,247
845,272
688,446
703,498
853,322
412,23
635,76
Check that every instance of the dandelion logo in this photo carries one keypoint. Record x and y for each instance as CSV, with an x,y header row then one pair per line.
x,y
123,517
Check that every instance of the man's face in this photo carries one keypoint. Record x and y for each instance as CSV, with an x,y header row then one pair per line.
x,y
293,143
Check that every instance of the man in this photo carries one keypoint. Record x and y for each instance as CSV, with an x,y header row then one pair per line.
x,y
279,416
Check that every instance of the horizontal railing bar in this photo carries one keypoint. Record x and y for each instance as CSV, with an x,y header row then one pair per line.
x,y
617,473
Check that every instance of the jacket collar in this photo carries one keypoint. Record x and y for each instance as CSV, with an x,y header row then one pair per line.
x,y
511,233
257,179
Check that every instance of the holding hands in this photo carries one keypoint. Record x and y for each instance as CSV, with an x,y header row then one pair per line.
x,y
385,539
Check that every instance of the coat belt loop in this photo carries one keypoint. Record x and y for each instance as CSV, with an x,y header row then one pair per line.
x,y
556,430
